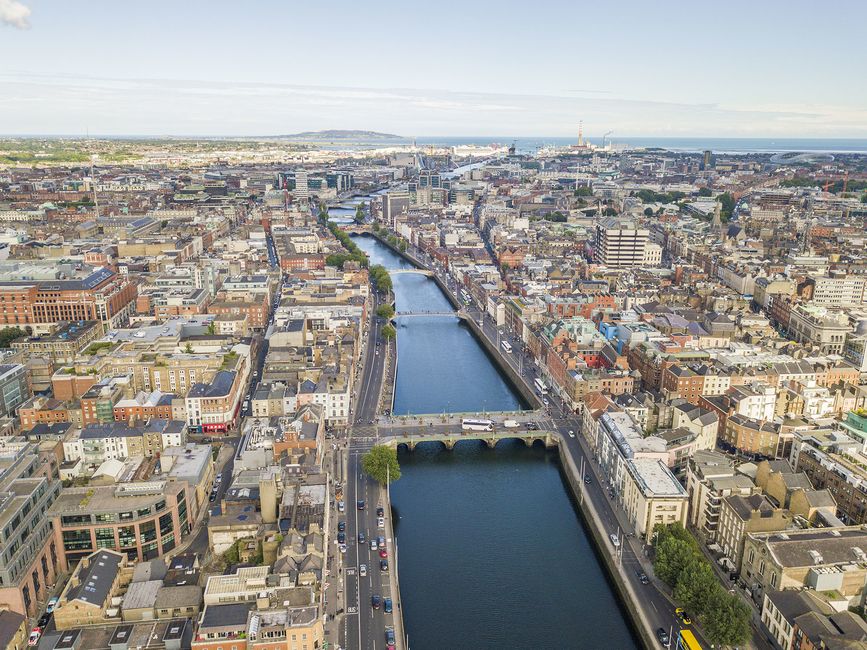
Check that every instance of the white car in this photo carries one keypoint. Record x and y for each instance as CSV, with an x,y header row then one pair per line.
x,y
571,433
362,570
380,522
615,540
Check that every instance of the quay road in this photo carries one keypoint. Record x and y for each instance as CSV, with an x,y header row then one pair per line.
x,y
363,628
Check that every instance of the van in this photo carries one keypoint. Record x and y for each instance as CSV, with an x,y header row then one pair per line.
x,y
615,540
511,424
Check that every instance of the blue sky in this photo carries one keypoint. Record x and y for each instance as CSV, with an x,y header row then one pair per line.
x,y
763,68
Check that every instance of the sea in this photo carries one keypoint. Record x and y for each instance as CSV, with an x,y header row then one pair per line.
x,y
686,145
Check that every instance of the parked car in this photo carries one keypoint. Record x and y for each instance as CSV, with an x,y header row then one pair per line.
x,y
662,635
341,537
383,552
386,605
341,526
343,548
341,507
43,620
372,544
375,601
380,522
383,565
35,635
380,511
571,433
683,616
615,540
361,537
587,479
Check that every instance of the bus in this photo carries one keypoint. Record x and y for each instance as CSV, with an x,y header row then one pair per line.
x,y
540,386
506,346
477,425
686,641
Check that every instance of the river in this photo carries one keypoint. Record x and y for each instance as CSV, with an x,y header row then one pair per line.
x,y
492,551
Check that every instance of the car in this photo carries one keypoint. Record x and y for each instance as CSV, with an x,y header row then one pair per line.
x,y
341,525
380,511
571,433
532,426
380,522
389,635
362,570
387,605
662,635
360,504
361,537
372,544
382,551
343,548
383,565
615,540
43,620
34,637
642,577
681,614
545,401
213,496
341,506
375,601
587,479
341,537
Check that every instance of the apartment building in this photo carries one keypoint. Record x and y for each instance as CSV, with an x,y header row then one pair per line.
x,y
14,387
740,515
28,550
710,478
64,343
214,407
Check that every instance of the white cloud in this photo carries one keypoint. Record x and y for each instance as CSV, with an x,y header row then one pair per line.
x,y
15,14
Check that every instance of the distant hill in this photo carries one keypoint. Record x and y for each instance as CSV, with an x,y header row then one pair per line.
x,y
343,136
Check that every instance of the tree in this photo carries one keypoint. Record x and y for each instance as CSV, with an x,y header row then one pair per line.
x,y
672,555
727,619
609,212
212,328
695,586
648,212
9,334
188,348
380,464
375,227
583,191
385,311
402,245
728,205
705,191
388,332
359,213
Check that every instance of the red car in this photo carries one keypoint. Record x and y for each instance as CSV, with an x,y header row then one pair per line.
x,y
383,553
35,634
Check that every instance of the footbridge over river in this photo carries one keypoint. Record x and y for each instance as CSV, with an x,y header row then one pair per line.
x,y
424,272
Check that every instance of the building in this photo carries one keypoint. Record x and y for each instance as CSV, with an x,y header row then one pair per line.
x,y
102,295
741,515
14,387
822,559
837,290
620,244
710,478
214,407
64,343
823,330
804,620
87,598
143,520
28,550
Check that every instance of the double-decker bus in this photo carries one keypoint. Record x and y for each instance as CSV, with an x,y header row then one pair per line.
x,y
686,641
477,425
506,346
540,386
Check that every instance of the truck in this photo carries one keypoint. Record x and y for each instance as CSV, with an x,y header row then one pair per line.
x,y
511,424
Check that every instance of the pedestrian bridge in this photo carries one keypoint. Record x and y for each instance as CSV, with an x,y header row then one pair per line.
x,y
423,272
548,438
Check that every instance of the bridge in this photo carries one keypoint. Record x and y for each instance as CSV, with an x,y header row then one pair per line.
x,y
419,314
424,272
449,439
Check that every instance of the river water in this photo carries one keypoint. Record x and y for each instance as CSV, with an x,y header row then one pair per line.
x,y
492,552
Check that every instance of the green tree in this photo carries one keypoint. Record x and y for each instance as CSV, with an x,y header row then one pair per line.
x,y
380,463
695,585
705,191
728,205
231,556
727,619
188,348
648,212
388,332
609,212
385,311
375,227
359,213
402,245
583,191
672,555
212,328
9,334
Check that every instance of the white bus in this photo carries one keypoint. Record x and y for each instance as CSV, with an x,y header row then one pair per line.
x,y
540,386
477,425
506,346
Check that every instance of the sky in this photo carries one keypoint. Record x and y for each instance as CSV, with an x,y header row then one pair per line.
x,y
762,68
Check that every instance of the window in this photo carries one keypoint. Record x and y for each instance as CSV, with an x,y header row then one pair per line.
x,y
105,538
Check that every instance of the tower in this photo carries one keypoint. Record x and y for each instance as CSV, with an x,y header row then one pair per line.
x,y
581,133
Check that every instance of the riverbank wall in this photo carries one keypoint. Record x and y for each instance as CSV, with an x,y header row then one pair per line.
x,y
616,572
